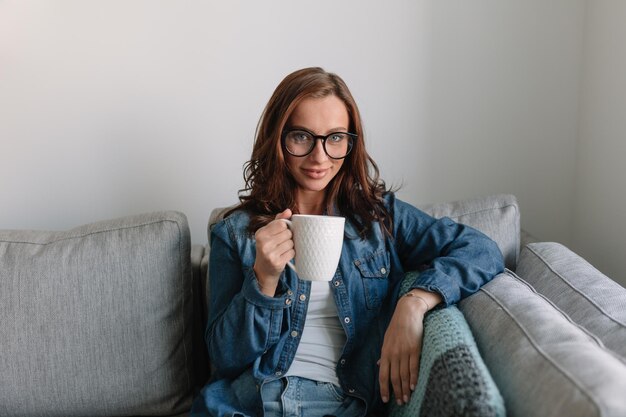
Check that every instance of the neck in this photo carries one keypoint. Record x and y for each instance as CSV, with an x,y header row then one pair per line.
x,y
310,202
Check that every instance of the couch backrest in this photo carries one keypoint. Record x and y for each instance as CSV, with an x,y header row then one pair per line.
x,y
497,216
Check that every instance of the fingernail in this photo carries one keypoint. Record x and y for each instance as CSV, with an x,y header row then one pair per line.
x,y
385,399
399,402
412,387
406,398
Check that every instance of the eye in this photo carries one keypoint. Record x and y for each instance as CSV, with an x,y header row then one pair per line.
x,y
336,137
299,136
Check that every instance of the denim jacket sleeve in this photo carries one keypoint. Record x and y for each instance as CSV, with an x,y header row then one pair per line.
x,y
458,259
243,322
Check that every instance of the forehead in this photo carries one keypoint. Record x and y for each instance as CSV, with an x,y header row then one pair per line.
x,y
320,114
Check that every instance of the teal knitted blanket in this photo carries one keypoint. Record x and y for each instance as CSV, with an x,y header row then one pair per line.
x,y
453,379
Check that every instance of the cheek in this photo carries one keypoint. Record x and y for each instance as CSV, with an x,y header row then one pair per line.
x,y
290,163
338,164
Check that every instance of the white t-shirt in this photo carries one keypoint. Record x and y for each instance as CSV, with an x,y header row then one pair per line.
x,y
322,338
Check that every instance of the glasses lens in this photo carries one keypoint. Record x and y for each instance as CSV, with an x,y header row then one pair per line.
x,y
299,142
338,145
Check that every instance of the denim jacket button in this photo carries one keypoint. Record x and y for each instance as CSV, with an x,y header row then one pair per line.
x,y
351,390
383,270
357,263
343,362
278,373
302,297
346,320
294,333
289,292
288,301
337,283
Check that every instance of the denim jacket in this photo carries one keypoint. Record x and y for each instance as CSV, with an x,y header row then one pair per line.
x,y
252,338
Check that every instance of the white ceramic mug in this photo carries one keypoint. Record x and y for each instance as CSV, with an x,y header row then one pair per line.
x,y
318,241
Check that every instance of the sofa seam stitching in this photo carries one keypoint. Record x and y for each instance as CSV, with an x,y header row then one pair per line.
x,y
499,207
88,234
566,316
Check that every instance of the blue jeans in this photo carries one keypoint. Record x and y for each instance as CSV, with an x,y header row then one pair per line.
x,y
293,396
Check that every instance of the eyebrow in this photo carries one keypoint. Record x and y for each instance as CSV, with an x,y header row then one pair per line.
x,y
333,130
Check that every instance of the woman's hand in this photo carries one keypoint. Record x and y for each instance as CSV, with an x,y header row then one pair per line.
x,y
400,353
274,248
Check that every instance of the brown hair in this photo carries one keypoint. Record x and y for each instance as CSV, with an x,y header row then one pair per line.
x,y
355,192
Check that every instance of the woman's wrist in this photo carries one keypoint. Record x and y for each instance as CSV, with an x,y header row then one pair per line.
x,y
266,285
419,299
425,299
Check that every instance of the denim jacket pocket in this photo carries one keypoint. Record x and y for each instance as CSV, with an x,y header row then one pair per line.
x,y
374,270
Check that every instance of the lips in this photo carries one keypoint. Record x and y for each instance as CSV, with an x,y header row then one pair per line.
x,y
315,173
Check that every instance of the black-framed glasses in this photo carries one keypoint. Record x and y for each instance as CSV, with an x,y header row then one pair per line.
x,y
300,142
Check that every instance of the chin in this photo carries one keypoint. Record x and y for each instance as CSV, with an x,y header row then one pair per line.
x,y
309,185
316,188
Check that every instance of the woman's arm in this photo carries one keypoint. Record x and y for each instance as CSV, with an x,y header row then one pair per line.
x,y
459,260
243,322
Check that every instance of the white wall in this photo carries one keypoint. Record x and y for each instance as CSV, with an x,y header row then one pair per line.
x,y
118,107
600,218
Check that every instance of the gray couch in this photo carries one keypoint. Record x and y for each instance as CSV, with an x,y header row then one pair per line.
x,y
107,320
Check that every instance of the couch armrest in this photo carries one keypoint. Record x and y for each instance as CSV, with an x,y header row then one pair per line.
x,y
544,364
586,295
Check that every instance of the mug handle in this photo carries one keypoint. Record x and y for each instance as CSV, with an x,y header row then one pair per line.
x,y
289,263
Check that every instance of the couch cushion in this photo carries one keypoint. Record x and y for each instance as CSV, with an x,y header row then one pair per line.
x,y
497,216
453,379
95,320
543,363
589,297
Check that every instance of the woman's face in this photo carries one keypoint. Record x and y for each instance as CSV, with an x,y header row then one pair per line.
x,y
320,116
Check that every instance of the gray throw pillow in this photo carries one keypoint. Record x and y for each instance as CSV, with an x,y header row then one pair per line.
x,y
95,320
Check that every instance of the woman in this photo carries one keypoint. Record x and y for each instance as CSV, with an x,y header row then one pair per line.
x,y
283,346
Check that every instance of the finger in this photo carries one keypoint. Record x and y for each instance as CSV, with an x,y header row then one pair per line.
x,y
405,378
383,379
415,366
285,214
270,230
286,250
396,381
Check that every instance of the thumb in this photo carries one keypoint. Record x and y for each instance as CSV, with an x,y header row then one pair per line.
x,y
286,214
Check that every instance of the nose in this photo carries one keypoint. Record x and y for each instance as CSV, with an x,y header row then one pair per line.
x,y
318,153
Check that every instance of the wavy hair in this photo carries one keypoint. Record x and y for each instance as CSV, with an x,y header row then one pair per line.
x,y
355,192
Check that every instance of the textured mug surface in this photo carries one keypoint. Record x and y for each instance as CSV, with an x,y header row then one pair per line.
x,y
318,241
